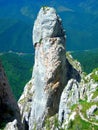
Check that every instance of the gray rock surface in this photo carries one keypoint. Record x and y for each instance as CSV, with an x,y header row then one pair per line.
x,y
69,97
57,82
91,110
8,106
49,72
12,125
47,25
58,87
25,103
77,95
88,87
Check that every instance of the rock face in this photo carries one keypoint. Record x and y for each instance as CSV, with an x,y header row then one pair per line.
x,y
58,85
90,111
12,125
47,25
79,99
69,97
25,103
8,106
49,71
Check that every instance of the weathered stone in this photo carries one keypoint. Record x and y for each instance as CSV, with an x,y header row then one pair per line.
x,y
47,25
49,72
12,125
91,110
95,99
69,97
25,103
96,117
8,106
88,88
57,81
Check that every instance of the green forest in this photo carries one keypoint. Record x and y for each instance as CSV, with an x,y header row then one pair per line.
x,y
18,67
88,59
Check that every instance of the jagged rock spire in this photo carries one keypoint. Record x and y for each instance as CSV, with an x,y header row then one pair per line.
x,y
49,71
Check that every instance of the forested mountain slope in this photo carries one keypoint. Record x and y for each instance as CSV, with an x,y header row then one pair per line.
x,y
19,67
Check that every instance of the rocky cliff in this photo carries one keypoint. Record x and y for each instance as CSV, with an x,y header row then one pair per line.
x,y
51,71
79,103
59,95
9,111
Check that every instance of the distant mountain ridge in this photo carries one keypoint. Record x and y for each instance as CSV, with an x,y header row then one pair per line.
x,y
15,36
80,19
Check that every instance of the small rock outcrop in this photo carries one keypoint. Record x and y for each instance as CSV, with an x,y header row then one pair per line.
x,y
69,97
9,110
79,99
12,125
25,103
91,110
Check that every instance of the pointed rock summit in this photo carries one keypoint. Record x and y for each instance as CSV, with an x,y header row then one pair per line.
x,y
41,97
47,25
49,71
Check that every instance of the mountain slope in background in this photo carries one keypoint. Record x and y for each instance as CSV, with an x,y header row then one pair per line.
x,y
15,36
18,67
88,59
80,19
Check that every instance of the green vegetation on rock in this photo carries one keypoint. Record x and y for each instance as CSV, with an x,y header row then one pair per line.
x,y
94,75
88,59
95,94
79,124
